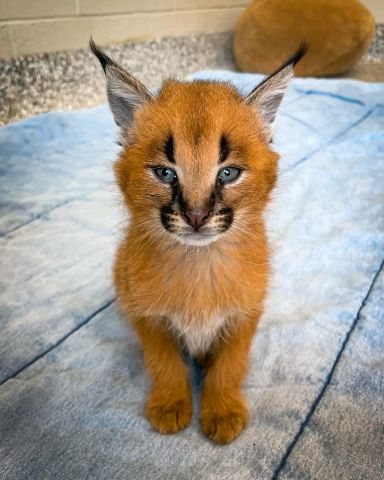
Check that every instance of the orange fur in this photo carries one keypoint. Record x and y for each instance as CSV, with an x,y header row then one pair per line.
x,y
195,173
168,289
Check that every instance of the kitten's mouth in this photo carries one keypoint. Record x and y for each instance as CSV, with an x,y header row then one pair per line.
x,y
193,231
197,239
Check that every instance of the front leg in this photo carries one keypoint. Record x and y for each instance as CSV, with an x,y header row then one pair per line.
x,y
224,411
169,404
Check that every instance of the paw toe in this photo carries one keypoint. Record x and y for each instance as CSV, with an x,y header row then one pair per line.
x,y
223,428
170,418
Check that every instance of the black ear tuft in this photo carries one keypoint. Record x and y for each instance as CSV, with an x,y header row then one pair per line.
x,y
101,56
125,93
291,62
267,96
298,55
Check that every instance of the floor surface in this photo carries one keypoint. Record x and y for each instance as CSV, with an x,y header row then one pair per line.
x,y
71,80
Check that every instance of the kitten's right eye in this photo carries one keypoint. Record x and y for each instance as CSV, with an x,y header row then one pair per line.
x,y
167,175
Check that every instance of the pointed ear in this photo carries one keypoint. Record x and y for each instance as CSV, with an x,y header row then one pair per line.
x,y
125,93
267,96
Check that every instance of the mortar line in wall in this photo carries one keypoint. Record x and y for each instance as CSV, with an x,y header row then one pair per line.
x,y
22,21
12,43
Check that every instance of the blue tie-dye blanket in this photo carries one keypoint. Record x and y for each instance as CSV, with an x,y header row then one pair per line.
x,y
71,370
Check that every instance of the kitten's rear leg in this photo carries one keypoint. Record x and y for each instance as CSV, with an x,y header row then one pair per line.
x,y
169,404
224,411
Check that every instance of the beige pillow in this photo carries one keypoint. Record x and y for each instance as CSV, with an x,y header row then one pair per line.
x,y
269,31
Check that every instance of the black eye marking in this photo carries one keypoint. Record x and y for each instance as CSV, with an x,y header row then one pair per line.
x,y
180,201
217,193
226,222
225,148
166,212
176,205
169,149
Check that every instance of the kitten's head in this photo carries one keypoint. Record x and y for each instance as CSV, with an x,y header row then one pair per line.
x,y
196,163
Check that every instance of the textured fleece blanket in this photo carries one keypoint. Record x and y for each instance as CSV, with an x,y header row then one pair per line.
x,y
71,370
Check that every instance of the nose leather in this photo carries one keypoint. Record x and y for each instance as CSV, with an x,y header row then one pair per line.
x,y
197,217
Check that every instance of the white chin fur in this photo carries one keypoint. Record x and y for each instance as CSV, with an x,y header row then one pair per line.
x,y
196,239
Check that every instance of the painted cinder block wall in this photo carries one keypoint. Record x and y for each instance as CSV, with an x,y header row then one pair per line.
x,y
33,26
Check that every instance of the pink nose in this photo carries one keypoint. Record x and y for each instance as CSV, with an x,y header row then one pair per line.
x,y
196,217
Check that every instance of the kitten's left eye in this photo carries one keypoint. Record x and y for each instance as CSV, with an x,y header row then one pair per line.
x,y
167,175
228,174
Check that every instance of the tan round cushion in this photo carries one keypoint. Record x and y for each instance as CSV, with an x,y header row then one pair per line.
x,y
269,31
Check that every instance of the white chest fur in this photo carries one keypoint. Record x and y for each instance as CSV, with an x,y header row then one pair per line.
x,y
198,334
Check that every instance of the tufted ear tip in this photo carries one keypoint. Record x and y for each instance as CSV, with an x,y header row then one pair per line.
x,y
125,92
99,54
267,96
298,55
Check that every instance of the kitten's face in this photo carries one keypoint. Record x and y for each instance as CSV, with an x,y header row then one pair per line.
x,y
197,166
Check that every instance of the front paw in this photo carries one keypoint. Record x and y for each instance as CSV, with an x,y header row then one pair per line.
x,y
169,414
223,417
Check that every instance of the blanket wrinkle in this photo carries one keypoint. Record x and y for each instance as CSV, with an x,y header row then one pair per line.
x,y
328,379
332,95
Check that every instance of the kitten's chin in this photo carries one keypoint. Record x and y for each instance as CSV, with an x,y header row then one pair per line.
x,y
196,239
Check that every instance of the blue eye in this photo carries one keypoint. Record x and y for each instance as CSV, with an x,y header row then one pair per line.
x,y
228,174
167,175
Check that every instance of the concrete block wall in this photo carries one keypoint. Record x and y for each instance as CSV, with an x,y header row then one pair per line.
x,y
33,26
